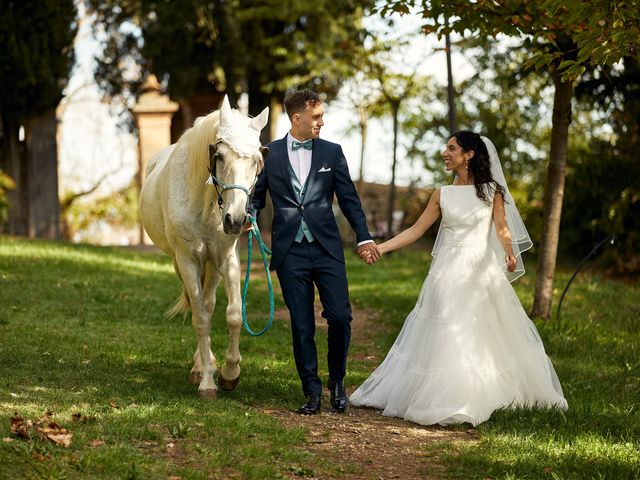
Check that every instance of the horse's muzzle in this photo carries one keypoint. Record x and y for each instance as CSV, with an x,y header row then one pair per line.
x,y
232,226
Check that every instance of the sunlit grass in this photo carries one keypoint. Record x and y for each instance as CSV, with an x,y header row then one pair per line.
x,y
82,331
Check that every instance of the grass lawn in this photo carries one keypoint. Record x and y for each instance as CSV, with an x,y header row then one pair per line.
x,y
82,332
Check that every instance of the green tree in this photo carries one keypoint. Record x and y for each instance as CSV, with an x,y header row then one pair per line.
x,y
573,35
604,179
261,48
35,62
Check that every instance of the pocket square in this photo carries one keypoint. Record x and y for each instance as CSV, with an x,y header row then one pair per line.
x,y
324,169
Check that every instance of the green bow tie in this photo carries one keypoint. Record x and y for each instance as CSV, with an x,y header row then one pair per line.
x,y
307,145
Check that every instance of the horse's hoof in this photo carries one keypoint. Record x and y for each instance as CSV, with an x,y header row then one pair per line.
x,y
208,394
228,385
195,378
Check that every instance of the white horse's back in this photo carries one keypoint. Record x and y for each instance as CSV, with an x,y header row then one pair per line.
x,y
159,159
151,198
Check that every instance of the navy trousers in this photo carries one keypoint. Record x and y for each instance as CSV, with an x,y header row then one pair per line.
x,y
307,264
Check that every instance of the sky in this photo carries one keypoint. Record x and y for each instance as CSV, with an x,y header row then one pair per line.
x,y
92,148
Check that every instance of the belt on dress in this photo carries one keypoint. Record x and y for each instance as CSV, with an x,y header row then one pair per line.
x,y
465,244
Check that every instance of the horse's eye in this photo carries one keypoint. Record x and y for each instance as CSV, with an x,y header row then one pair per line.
x,y
218,157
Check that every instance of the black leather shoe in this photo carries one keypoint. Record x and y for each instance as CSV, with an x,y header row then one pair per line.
x,y
312,405
339,399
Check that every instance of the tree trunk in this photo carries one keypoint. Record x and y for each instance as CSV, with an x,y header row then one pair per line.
x,y
42,165
554,193
362,111
15,168
453,123
395,106
275,110
257,101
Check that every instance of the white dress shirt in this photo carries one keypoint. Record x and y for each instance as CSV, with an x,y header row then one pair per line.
x,y
300,159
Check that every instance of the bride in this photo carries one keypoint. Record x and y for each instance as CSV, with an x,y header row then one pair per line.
x,y
468,347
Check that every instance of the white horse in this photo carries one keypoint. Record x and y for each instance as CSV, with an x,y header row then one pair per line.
x,y
198,225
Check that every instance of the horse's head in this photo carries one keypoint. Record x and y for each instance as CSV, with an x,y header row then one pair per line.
x,y
236,159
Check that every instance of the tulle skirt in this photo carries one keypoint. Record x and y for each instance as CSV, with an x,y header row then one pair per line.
x,y
467,349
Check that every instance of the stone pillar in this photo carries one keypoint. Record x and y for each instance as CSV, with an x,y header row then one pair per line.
x,y
153,114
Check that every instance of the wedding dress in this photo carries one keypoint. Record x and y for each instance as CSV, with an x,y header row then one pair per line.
x,y
468,347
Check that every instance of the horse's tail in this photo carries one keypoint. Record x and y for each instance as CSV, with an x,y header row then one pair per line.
x,y
181,305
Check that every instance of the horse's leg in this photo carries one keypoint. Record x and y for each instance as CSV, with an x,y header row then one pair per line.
x,y
211,282
190,274
230,371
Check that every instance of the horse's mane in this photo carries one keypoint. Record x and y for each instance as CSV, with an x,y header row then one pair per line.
x,y
196,142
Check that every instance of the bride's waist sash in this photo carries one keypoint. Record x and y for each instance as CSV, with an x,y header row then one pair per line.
x,y
465,243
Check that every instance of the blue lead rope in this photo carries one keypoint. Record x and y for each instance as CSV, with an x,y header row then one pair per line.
x,y
264,251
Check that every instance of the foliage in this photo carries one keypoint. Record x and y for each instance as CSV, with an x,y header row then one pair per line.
x,y
603,183
36,56
261,48
6,183
603,32
118,209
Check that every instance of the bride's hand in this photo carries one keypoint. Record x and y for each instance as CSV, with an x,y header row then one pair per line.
x,y
511,262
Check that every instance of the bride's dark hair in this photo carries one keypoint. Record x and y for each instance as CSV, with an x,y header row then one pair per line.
x,y
479,165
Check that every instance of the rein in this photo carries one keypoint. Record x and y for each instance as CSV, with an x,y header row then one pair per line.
x,y
264,251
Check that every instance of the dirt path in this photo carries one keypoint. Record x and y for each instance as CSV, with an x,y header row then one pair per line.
x,y
361,443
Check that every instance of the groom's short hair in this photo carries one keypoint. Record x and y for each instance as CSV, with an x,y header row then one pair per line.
x,y
295,101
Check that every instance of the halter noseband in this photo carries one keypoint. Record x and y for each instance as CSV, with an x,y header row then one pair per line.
x,y
220,186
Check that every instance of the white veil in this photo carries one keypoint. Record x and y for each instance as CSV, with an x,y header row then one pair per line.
x,y
520,239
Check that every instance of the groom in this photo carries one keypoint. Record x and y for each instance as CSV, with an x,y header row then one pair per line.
x,y
303,173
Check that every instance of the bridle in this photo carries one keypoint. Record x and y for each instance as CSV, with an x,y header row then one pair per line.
x,y
222,187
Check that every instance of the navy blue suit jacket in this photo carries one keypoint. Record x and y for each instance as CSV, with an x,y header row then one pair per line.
x,y
329,175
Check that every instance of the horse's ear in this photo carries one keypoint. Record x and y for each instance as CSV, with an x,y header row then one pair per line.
x,y
225,111
264,151
259,122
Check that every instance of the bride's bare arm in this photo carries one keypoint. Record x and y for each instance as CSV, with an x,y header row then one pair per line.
x,y
502,231
413,233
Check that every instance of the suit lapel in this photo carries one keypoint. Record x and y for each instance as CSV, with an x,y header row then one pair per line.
x,y
284,165
316,160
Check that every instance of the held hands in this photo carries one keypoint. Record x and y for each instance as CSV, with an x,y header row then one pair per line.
x,y
369,253
510,259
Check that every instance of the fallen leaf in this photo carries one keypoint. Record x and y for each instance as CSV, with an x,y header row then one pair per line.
x,y
46,417
20,427
76,417
170,445
113,404
63,439
8,439
56,434
97,443
547,469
